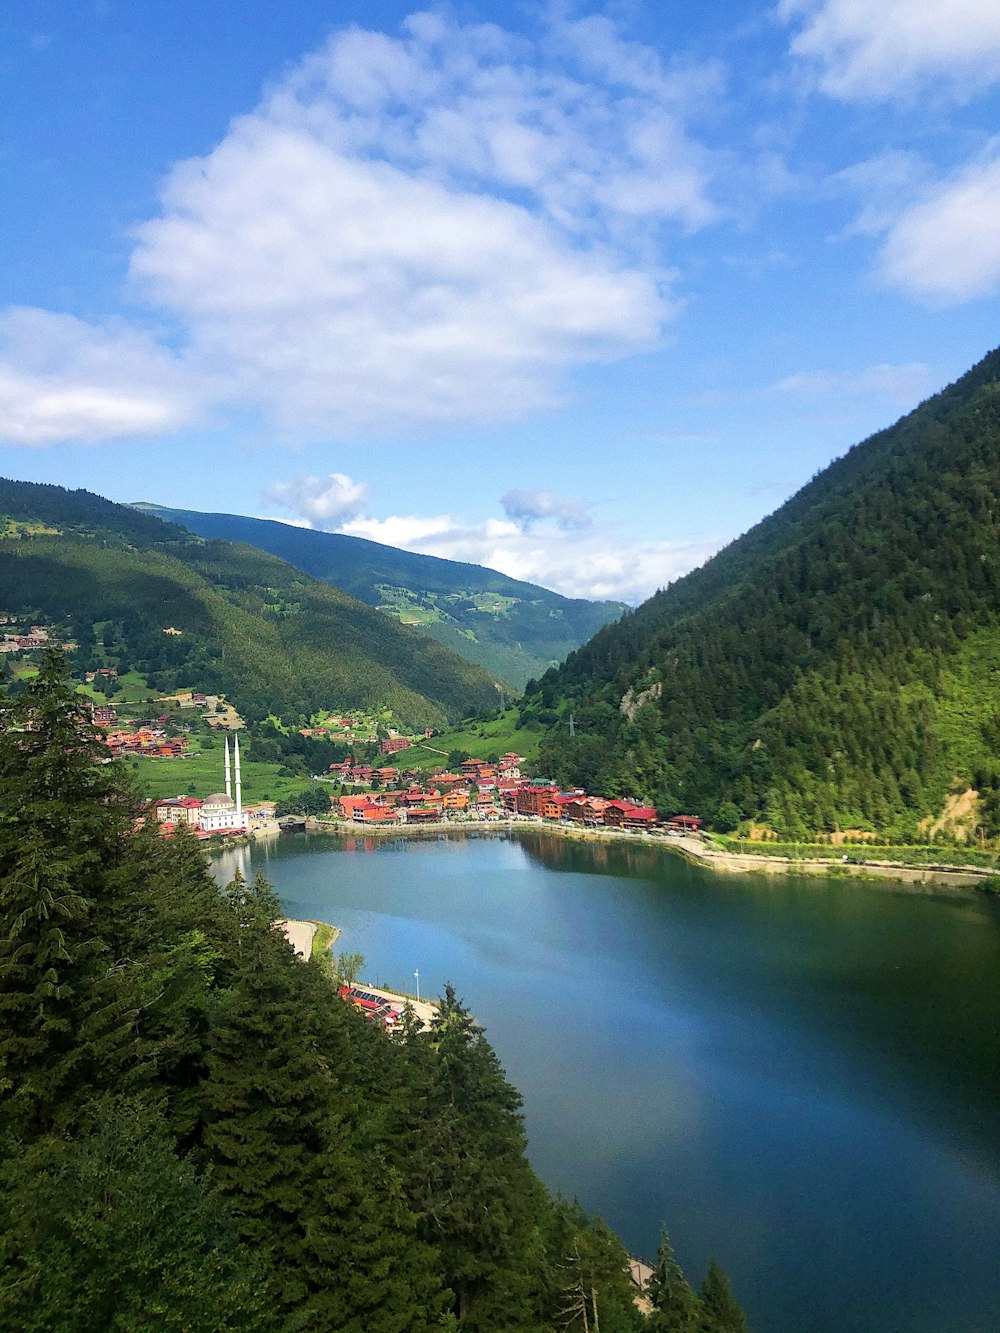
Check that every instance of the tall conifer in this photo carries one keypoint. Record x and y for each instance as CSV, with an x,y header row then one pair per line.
x,y
676,1308
63,1022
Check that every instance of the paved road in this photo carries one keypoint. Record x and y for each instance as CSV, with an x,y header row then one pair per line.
x,y
301,935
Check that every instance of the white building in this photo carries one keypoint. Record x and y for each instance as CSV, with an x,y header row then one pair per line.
x,y
219,812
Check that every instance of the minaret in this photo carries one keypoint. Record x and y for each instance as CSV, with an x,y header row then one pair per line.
x,y
239,784
229,785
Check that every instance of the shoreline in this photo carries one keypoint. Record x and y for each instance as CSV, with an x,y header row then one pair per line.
x,y
919,878
929,878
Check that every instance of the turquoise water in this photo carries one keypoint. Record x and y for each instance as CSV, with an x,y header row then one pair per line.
x,y
799,1076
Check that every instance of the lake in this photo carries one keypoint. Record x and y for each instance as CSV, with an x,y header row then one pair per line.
x,y
799,1076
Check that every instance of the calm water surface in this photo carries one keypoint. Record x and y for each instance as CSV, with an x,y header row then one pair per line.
x,y
800,1077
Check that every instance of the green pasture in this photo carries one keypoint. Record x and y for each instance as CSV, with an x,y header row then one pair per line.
x,y
478,739
200,774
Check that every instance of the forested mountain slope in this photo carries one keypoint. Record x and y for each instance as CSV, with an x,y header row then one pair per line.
x,y
512,629
838,665
251,626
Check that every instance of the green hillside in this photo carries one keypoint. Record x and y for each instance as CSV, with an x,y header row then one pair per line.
x,y
251,626
836,666
512,629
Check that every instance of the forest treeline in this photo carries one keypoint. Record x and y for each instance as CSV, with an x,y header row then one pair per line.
x,y
197,1133
835,667
273,639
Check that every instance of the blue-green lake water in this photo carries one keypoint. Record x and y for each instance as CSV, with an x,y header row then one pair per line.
x,y
799,1076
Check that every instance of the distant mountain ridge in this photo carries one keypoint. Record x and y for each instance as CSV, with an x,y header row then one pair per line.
x,y
837,666
513,629
250,625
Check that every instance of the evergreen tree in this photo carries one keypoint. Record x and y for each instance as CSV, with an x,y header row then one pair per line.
x,y
676,1308
64,1023
589,1287
110,1230
467,1176
340,1242
722,1310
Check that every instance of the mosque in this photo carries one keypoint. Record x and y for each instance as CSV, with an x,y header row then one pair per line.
x,y
219,812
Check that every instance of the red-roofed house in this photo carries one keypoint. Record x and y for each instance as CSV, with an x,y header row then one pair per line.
x,y
422,814
348,804
684,823
532,800
374,814
393,744
585,809
625,814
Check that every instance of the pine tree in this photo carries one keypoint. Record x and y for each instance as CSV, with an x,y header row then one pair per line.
x,y
590,1290
467,1176
722,1310
65,1024
676,1308
280,1095
109,1229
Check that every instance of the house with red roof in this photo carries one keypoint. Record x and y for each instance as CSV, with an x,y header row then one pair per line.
x,y
372,813
685,823
626,814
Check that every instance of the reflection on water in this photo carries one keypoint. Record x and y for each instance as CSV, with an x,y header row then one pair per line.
x,y
799,1074
225,863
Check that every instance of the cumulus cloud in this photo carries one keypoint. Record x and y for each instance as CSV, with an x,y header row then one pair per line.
x,y
542,538
939,238
432,227
527,507
591,562
412,230
946,248
902,385
864,51
64,379
319,502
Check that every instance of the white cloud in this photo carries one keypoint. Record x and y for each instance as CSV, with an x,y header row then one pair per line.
x,y
868,51
408,231
946,248
590,562
322,502
887,184
433,227
529,507
903,385
63,379
939,239
542,538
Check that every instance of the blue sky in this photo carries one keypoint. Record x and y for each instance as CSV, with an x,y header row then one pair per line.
x,y
579,292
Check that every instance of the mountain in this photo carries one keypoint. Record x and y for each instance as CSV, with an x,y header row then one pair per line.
x,y
836,666
512,629
216,616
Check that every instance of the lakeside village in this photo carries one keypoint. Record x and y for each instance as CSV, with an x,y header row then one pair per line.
x,y
480,791
382,797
